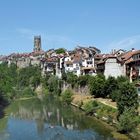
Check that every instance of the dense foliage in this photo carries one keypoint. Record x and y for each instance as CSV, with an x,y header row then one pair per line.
x,y
128,98
54,85
67,96
90,106
96,86
16,82
128,121
71,79
60,50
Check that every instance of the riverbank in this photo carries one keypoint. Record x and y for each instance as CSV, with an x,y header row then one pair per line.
x,y
25,98
106,112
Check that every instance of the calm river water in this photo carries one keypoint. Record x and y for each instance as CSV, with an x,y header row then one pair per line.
x,y
48,119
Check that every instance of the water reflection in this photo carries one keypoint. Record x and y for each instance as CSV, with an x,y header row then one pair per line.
x,y
50,120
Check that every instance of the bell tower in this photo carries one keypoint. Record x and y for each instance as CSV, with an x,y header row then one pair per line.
x,y
37,43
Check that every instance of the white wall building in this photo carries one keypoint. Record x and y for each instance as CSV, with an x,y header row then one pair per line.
x,y
113,67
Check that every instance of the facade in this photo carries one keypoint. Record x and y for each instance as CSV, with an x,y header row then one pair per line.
x,y
110,65
132,63
113,67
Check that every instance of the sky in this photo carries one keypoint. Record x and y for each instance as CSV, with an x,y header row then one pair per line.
x,y
105,24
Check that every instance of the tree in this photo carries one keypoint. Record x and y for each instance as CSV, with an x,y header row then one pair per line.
x,y
60,50
122,79
83,80
67,96
72,79
127,98
111,85
128,121
96,86
54,85
127,104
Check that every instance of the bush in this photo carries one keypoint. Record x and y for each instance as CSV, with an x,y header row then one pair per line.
x,y
111,85
96,86
27,92
60,50
67,96
72,79
114,95
127,98
90,107
83,80
128,121
54,85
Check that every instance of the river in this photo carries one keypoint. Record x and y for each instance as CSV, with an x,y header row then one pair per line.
x,y
49,119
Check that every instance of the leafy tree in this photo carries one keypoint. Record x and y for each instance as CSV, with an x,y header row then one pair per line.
x,y
111,85
122,79
127,98
96,86
54,85
128,121
67,96
64,75
72,79
127,103
29,76
60,50
14,80
83,80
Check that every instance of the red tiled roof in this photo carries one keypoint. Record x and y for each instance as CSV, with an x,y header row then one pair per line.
x,y
127,57
129,54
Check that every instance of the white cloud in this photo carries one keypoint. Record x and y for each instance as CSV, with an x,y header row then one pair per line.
x,y
126,43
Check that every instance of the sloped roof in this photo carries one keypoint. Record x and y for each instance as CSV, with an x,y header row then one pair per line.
x,y
77,58
129,54
127,57
108,56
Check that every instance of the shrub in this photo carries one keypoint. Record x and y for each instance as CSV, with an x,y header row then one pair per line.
x,y
96,86
128,121
28,92
111,85
54,85
83,80
72,79
114,95
90,106
127,98
60,50
67,96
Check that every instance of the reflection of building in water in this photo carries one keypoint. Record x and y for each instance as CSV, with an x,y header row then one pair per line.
x,y
45,114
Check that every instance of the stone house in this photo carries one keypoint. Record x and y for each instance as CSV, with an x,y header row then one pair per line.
x,y
110,65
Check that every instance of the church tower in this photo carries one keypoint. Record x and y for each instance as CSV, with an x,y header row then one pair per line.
x,y
37,43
